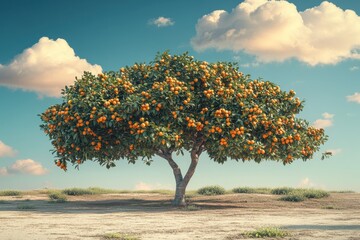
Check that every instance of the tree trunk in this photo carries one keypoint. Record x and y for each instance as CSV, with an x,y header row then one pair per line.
x,y
179,199
182,182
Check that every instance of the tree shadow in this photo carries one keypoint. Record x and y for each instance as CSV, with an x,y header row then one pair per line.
x,y
108,206
97,206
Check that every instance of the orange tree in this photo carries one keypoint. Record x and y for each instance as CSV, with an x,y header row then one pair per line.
x,y
176,103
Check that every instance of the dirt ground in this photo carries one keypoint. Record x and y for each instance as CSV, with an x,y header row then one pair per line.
x,y
150,216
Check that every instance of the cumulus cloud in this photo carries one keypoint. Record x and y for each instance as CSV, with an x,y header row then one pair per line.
x,y
354,98
162,22
326,121
306,183
6,151
327,115
45,68
26,166
276,31
334,151
142,186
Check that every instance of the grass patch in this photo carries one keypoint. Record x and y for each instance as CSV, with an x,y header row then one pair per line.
x,y
158,191
267,232
211,190
251,190
293,198
86,191
343,191
120,236
282,191
57,197
10,193
25,207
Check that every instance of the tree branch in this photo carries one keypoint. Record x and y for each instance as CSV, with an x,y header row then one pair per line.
x,y
195,154
176,169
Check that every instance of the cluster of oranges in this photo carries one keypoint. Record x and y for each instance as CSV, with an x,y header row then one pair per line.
x,y
138,127
127,85
315,133
60,165
208,93
191,123
307,151
237,131
113,101
175,86
223,142
145,107
220,113
146,94
288,140
214,129
101,119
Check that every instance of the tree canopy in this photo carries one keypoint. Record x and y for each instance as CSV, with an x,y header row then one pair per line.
x,y
173,104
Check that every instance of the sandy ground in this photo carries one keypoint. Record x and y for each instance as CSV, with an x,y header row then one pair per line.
x,y
150,216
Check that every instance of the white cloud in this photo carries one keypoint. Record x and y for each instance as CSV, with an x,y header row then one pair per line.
x,y
328,115
327,121
322,123
142,186
354,68
354,98
45,68
306,183
276,31
6,151
26,166
162,22
334,151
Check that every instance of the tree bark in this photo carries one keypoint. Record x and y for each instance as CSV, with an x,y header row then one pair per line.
x,y
182,182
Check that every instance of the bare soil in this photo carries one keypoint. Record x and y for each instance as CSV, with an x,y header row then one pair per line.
x,y
151,216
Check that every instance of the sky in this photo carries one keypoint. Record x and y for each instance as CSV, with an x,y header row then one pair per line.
x,y
312,47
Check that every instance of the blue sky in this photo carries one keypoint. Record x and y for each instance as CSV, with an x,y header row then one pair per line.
x,y
312,47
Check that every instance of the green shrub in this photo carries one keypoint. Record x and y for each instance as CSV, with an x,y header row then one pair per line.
x,y
271,232
211,190
244,190
293,198
10,193
282,191
314,193
57,197
77,191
